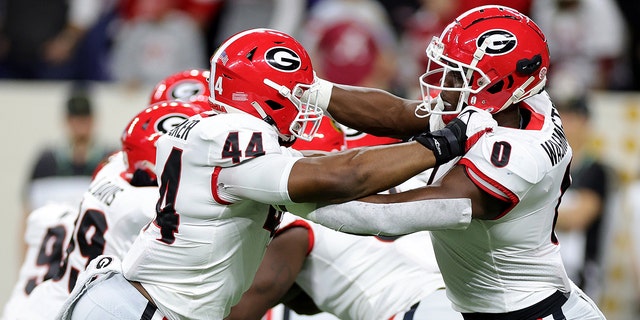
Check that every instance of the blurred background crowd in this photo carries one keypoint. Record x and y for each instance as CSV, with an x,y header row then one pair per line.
x,y
86,46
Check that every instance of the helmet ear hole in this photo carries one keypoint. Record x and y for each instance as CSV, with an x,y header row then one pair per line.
x,y
510,84
274,105
496,87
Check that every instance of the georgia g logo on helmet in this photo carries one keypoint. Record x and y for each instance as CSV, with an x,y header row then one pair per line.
x,y
498,41
283,59
168,122
186,89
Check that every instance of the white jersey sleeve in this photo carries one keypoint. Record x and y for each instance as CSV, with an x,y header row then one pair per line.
x,y
267,181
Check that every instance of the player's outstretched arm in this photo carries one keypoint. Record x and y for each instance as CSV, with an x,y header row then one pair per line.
x,y
355,173
372,110
347,175
450,205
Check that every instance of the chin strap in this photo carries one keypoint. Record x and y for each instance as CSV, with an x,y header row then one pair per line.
x,y
263,114
519,94
284,140
282,90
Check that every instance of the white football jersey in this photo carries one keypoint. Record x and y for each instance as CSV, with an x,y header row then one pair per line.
x,y
513,261
364,277
112,213
47,234
218,173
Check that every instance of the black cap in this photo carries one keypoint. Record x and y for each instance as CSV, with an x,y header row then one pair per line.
x,y
79,105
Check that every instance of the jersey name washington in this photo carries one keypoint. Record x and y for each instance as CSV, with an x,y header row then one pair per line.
x,y
182,130
556,147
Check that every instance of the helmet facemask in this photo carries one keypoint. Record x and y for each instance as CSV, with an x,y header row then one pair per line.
x,y
304,97
445,76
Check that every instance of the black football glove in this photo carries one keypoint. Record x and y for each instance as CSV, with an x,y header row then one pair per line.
x,y
458,135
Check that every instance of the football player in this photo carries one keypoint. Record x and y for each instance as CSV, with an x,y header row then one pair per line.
x,y
506,264
44,236
48,232
311,268
119,202
222,172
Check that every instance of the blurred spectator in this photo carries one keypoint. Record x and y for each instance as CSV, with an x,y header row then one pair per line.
x,y
240,15
352,42
633,190
157,41
206,14
581,212
348,53
631,11
399,12
46,39
202,11
621,296
62,171
586,39
523,6
94,50
427,22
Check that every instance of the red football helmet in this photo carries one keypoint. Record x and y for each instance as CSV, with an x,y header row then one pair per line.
x,y
187,85
329,137
494,56
140,135
269,75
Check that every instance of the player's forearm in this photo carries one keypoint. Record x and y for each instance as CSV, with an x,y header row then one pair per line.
x,y
395,218
356,173
375,111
